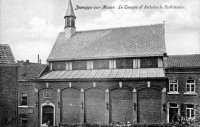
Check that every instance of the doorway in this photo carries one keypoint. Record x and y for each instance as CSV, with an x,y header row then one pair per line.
x,y
173,112
47,114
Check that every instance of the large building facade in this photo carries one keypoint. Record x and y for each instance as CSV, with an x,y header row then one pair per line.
x,y
112,75
104,76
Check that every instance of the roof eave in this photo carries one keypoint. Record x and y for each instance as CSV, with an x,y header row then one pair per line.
x,y
107,57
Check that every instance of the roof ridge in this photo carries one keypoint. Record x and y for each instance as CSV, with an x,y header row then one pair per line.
x,y
120,27
184,55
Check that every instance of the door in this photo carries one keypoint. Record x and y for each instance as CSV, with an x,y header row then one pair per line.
x,y
149,105
70,105
48,115
173,112
121,101
95,106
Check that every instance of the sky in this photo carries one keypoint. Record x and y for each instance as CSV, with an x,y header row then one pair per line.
x,y
31,27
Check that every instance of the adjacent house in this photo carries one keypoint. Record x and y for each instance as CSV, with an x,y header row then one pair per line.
x,y
8,87
183,73
28,73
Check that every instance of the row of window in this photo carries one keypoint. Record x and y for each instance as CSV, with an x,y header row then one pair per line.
x,y
108,64
190,86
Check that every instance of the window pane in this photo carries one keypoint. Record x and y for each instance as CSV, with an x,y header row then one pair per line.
x,y
124,63
173,81
190,81
188,112
192,88
190,106
24,100
101,64
192,112
171,87
58,66
175,87
188,88
79,65
149,63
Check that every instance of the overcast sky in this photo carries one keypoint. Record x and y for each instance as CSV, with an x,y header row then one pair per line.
x,y
31,27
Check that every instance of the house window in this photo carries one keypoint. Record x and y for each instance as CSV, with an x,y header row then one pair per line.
x,y
173,85
23,119
149,63
56,66
190,86
24,98
79,65
101,64
124,63
190,113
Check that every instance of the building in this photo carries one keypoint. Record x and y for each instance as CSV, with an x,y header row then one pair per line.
x,y
104,76
8,87
183,72
28,73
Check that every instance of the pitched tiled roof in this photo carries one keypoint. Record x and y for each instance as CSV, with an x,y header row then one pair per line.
x,y
135,41
6,55
183,61
30,71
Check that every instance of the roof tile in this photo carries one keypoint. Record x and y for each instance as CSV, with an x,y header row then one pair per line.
x,y
183,61
6,55
146,40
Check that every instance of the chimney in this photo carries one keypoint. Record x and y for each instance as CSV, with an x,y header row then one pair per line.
x,y
38,59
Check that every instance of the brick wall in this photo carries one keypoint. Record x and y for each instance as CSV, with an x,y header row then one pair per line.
x,y
8,95
98,109
29,87
182,99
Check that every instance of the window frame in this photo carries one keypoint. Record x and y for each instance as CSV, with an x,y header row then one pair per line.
x,y
21,98
190,111
190,87
23,117
149,62
173,89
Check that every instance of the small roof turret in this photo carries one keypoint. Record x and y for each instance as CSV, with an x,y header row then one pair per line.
x,y
70,10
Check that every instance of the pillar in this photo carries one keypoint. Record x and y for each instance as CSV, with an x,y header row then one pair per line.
x,y
164,106
107,106
134,106
36,111
58,108
82,107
